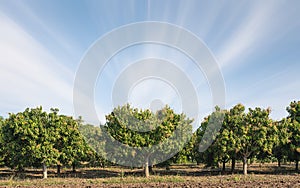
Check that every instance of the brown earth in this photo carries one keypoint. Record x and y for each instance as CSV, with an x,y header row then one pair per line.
x,y
266,175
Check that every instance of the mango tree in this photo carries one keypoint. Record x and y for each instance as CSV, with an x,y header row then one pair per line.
x,y
225,143
294,130
212,154
1,142
186,155
199,157
281,146
253,135
29,139
234,119
94,138
70,144
146,131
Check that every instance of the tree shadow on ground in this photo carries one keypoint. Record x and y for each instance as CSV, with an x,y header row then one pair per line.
x,y
37,174
92,173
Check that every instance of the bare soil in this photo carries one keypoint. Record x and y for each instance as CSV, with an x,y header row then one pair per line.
x,y
260,175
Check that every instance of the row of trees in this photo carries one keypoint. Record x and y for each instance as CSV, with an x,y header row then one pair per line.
x,y
250,135
243,136
37,138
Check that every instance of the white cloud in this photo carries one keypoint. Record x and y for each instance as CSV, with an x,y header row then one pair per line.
x,y
29,74
248,36
69,47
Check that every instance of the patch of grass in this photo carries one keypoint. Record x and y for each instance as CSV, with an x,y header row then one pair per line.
x,y
237,178
75,181
38,182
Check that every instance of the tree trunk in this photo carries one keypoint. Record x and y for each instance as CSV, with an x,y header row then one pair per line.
x,y
297,165
58,169
210,161
146,168
232,164
20,169
45,173
224,166
168,167
151,169
73,168
279,163
245,165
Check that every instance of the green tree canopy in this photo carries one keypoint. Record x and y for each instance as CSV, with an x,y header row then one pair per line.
x,y
95,140
35,138
1,142
281,149
29,139
211,155
253,136
71,144
294,130
151,134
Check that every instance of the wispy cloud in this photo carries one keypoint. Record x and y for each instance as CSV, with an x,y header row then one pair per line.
x,y
29,74
248,36
39,41
46,31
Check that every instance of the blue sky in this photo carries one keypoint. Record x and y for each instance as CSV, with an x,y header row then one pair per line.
x,y
256,45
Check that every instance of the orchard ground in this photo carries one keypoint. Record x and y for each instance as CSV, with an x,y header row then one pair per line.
x,y
260,175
